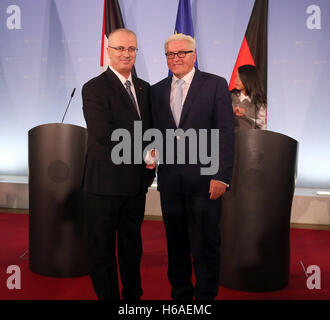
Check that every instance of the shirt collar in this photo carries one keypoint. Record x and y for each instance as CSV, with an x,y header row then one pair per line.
x,y
242,97
121,77
187,78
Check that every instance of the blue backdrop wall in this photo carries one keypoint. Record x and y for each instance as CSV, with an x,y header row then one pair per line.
x,y
49,47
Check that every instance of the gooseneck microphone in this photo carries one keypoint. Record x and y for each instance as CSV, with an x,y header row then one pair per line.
x,y
68,104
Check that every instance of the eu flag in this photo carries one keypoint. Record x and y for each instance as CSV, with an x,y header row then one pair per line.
x,y
184,20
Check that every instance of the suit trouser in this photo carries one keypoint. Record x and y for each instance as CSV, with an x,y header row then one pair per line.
x,y
114,219
192,229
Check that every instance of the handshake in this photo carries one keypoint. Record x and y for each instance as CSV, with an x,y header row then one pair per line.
x,y
151,159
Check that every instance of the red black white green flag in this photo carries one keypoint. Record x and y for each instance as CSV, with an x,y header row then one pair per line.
x,y
254,46
112,20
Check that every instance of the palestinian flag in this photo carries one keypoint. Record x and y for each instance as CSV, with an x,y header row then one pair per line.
x,y
112,20
254,46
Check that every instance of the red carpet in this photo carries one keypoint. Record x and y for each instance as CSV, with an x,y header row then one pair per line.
x,y
312,247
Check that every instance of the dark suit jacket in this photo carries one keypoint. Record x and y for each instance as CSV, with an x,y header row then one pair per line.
x,y
107,106
207,106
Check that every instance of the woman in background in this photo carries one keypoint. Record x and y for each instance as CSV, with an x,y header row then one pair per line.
x,y
248,99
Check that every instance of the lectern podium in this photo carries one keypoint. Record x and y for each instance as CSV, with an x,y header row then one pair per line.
x,y
57,233
255,223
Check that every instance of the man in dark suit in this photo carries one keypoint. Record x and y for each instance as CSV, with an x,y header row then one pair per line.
x,y
115,193
190,201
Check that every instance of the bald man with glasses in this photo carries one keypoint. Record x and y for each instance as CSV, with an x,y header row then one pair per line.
x,y
115,193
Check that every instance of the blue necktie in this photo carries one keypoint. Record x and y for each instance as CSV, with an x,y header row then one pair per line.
x,y
128,88
177,101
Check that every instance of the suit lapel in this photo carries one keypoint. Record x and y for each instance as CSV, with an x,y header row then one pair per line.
x,y
122,93
115,82
193,90
140,97
167,105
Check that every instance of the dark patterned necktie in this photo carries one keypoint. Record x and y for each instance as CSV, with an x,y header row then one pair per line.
x,y
128,88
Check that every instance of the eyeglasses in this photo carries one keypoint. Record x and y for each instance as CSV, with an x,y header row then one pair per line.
x,y
121,50
180,54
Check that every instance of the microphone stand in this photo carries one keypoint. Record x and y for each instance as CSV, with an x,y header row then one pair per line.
x,y
68,104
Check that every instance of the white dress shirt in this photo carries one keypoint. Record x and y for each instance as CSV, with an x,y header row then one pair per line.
x,y
185,87
262,113
123,80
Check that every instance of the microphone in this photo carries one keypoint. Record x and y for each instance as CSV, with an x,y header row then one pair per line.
x,y
68,104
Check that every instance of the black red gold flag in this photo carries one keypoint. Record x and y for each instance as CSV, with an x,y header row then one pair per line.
x,y
254,45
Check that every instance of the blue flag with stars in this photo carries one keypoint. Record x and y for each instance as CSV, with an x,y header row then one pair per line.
x,y
184,20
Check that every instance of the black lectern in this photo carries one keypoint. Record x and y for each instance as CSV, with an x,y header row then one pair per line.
x,y
57,232
255,225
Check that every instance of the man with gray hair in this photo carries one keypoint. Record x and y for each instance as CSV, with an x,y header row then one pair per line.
x,y
115,193
191,202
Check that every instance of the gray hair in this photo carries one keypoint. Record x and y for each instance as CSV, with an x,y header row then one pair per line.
x,y
120,30
181,37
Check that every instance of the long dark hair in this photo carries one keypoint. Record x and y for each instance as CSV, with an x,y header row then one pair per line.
x,y
251,82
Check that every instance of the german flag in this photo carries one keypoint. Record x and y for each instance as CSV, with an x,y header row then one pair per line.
x,y
112,20
254,46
